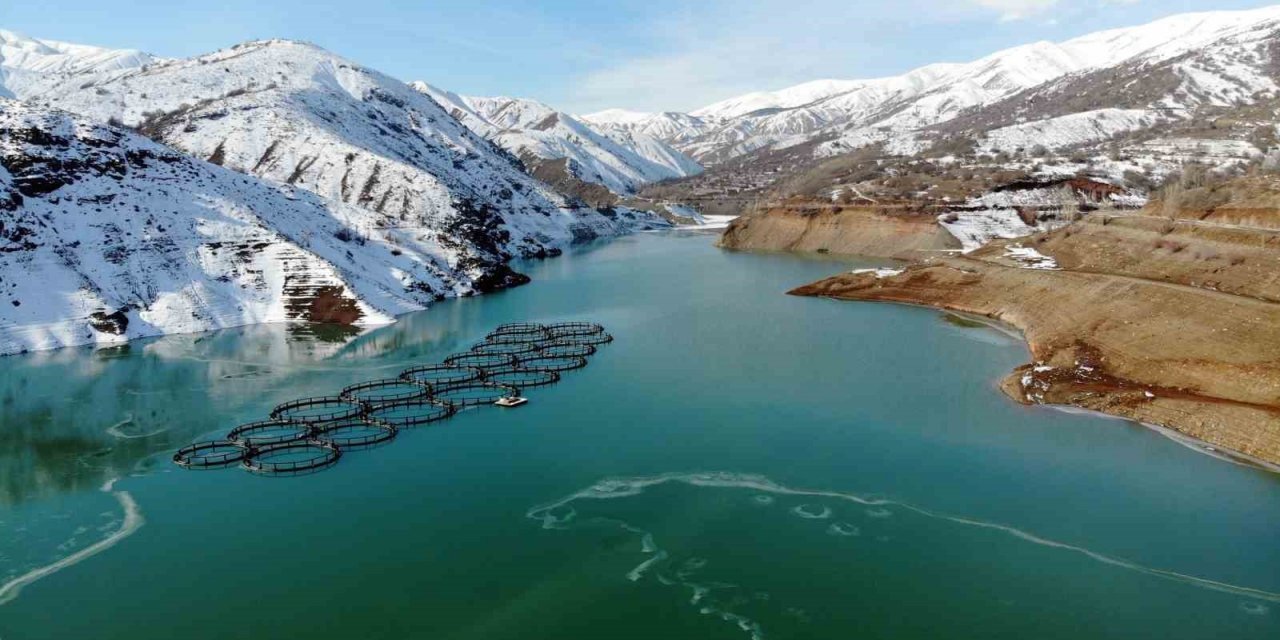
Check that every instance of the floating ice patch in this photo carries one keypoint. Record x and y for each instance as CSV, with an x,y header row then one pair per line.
x,y
72,550
1029,258
812,511
666,563
843,529
130,429
1255,608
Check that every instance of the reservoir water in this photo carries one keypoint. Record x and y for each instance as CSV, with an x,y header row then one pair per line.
x,y
737,464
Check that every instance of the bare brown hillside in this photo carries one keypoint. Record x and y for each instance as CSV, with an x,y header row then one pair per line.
x,y
1173,322
871,231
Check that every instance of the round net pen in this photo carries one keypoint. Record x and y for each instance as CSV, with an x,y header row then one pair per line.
x,y
435,376
355,433
268,432
292,457
318,410
482,361
552,363
511,348
560,329
518,329
377,392
565,349
594,339
213,454
410,413
532,338
523,378
475,394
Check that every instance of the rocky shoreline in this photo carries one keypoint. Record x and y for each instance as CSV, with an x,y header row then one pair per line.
x,y
1184,357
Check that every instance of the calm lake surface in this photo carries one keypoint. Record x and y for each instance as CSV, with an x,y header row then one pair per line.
x,y
738,463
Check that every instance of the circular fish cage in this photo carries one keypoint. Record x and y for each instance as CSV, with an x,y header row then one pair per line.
x,y
311,434
519,338
293,457
565,349
268,432
523,378
595,339
355,433
318,410
518,329
482,361
377,392
512,348
435,376
474,394
410,413
552,363
559,329
213,454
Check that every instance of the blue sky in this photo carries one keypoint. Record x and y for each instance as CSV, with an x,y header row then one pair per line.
x,y
583,56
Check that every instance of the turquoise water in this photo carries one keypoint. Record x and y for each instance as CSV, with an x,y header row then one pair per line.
x,y
737,464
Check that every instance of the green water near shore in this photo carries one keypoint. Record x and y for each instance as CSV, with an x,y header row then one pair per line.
x,y
739,463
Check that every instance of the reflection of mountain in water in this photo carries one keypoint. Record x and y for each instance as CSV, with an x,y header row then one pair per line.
x,y
75,418
72,419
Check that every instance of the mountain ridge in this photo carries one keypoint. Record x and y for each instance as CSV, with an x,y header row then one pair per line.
x,y
855,109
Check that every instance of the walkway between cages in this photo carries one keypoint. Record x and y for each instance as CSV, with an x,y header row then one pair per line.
x,y
309,434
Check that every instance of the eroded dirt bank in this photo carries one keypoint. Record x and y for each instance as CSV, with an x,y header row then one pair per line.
x,y
1196,360
840,230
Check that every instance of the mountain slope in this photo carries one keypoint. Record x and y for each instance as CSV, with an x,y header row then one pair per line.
x,y
621,161
295,114
846,115
28,65
106,235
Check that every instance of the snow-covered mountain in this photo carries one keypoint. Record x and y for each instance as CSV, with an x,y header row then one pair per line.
x,y
295,114
361,199
679,130
1214,57
28,65
621,160
106,235
789,98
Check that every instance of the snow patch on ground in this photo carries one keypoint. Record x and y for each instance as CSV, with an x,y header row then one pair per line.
x,y
976,228
1069,130
1028,258
880,273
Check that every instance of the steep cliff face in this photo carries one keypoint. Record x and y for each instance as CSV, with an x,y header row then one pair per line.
x,y
840,230
106,235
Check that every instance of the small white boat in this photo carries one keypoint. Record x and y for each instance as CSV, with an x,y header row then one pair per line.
x,y
511,401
